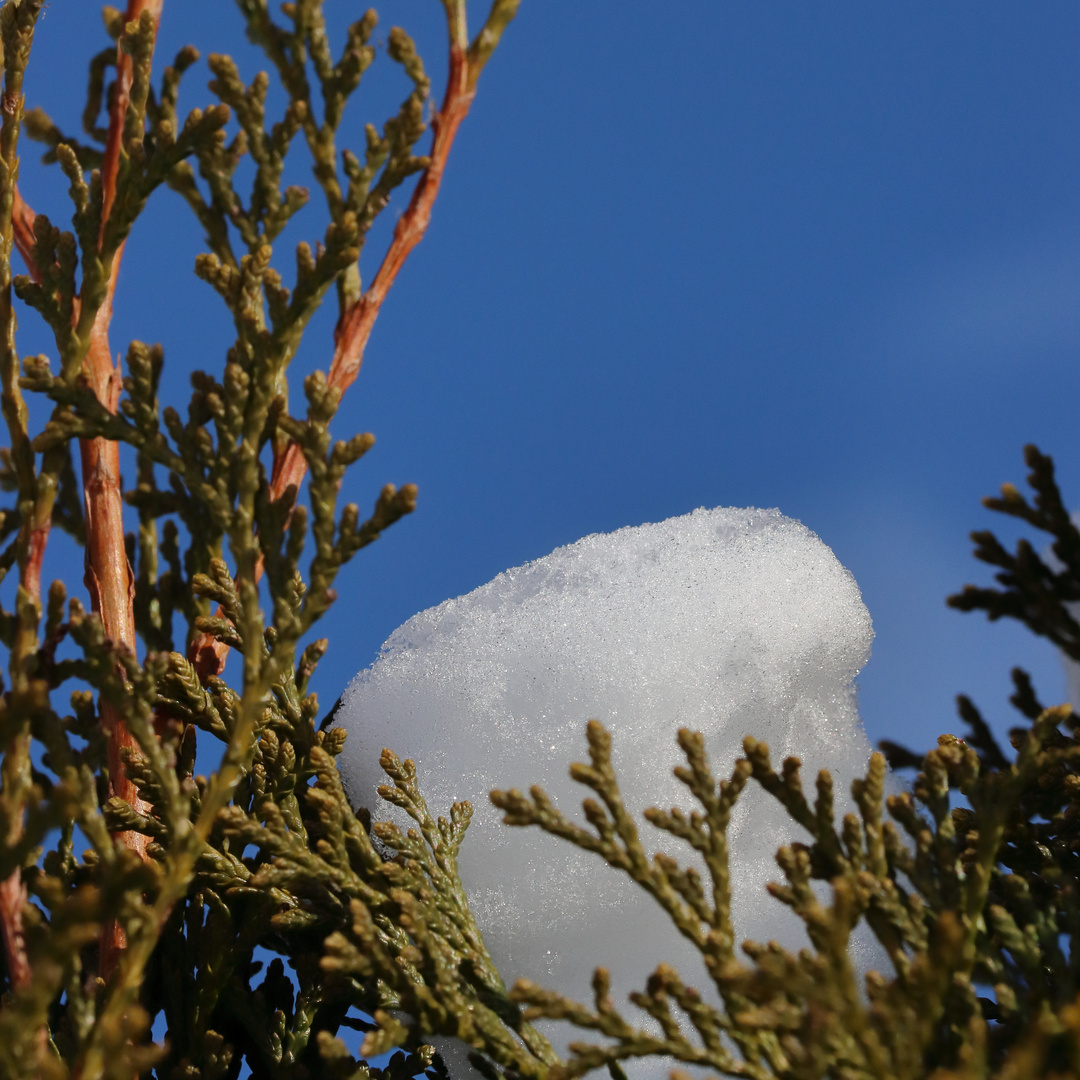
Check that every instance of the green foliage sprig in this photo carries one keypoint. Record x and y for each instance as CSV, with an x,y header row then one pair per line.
x,y
968,881
98,945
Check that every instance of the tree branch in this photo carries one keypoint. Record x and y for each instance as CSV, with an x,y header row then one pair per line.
x,y
36,494
22,220
357,321
108,576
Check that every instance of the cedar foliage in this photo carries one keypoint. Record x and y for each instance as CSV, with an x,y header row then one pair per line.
x,y
968,879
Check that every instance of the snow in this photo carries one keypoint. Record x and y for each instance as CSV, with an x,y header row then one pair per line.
x,y
726,621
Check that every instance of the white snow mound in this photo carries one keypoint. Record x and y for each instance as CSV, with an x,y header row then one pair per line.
x,y
726,621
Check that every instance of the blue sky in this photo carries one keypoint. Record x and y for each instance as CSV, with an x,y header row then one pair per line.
x,y
820,257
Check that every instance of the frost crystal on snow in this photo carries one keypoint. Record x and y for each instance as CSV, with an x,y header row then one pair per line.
x,y
727,621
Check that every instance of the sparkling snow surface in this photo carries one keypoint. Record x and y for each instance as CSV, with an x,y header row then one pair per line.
x,y
727,621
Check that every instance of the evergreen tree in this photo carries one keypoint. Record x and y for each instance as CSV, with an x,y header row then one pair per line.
x,y
141,956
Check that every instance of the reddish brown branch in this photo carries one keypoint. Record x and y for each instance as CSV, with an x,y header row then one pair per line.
x,y
121,98
22,220
108,575
357,321
12,899
13,890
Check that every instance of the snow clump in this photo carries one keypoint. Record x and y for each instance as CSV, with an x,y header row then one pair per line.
x,y
726,621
